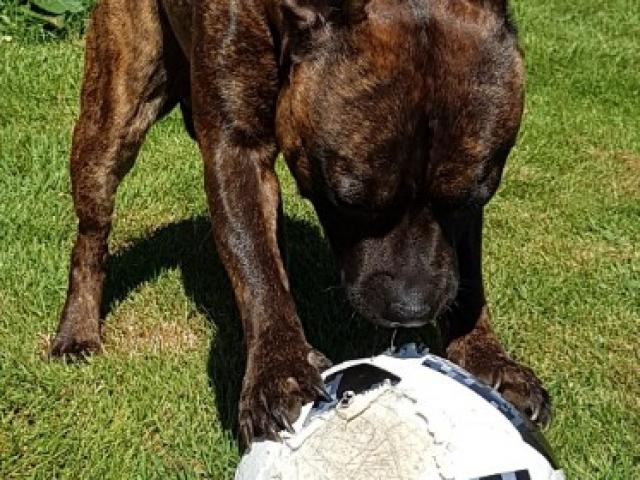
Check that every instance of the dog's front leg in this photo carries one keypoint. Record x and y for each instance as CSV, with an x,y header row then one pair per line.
x,y
282,368
469,337
234,91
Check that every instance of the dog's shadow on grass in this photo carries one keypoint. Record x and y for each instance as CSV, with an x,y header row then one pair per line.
x,y
329,322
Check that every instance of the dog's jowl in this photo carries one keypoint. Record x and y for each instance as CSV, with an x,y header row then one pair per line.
x,y
395,117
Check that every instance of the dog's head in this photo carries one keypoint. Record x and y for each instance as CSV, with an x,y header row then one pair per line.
x,y
394,116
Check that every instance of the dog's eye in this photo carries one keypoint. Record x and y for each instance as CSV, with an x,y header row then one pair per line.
x,y
356,210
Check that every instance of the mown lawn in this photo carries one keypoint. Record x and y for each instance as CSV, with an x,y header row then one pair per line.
x,y
562,267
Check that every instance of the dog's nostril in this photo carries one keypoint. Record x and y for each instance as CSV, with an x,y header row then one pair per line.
x,y
409,311
411,306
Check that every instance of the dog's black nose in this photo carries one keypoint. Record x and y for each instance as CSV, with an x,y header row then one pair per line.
x,y
412,305
401,301
407,306
406,300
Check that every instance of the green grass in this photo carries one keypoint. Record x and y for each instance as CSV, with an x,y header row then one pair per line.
x,y
22,20
562,267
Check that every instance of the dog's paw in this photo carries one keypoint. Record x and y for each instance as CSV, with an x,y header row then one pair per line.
x,y
517,384
275,388
74,342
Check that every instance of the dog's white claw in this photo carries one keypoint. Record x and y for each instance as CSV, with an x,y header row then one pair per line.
x,y
535,414
498,382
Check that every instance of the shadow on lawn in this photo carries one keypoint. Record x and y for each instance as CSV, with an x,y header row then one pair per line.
x,y
329,321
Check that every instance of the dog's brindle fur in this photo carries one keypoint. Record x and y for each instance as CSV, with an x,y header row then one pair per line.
x,y
395,117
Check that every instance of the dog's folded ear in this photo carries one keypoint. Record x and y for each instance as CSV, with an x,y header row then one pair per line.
x,y
301,18
353,11
307,14
304,15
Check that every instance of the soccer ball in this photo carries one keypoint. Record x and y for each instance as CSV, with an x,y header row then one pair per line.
x,y
404,415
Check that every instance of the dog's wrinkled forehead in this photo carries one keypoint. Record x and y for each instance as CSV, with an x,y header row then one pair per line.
x,y
377,58
355,111
358,102
365,59
356,99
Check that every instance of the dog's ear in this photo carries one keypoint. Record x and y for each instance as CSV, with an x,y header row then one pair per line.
x,y
304,15
301,18
353,11
307,14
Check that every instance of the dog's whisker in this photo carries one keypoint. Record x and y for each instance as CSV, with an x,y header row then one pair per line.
x,y
331,288
393,339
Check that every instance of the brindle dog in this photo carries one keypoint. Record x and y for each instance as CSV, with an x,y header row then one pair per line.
x,y
395,117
